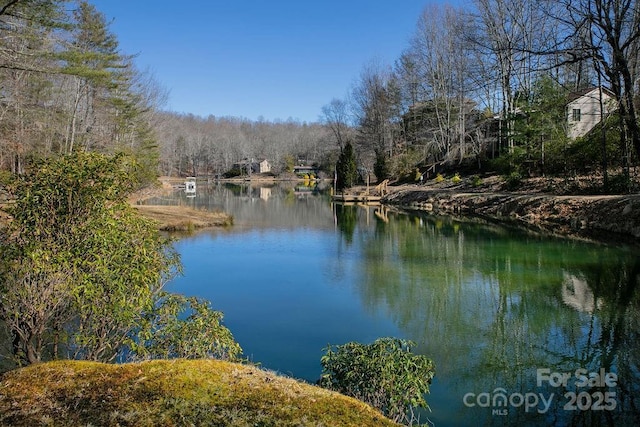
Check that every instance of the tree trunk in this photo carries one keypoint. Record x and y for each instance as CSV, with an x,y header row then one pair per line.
x,y
630,117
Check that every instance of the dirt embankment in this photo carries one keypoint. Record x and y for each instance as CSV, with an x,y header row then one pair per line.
x,y
609,217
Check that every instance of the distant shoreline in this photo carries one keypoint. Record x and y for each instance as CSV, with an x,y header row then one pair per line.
x,y
536,206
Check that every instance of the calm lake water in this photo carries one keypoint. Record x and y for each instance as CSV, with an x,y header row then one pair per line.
x,y
524,330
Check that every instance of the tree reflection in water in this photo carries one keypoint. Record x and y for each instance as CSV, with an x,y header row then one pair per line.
x,y
491,306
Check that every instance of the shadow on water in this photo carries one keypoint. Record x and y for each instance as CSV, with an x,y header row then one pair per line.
x,y
346,219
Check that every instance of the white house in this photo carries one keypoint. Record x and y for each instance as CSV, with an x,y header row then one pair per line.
x,y
265,166
583,110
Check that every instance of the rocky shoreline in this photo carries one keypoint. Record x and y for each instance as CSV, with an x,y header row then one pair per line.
x,y
614,218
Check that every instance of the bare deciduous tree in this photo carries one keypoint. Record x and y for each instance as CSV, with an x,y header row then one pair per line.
x,y
443,61
609,33
335,116
377,110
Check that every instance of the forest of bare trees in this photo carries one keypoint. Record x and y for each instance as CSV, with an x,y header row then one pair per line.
x,y
492,79
197,146
483,81
66,85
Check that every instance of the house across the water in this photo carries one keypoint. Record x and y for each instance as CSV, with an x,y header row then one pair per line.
x,y
250,166
584,110
190,185
305,170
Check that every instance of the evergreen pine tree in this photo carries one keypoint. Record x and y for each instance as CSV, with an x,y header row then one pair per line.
x,y
381,166
111,100
346,169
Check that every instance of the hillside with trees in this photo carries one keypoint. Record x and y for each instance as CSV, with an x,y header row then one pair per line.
x,y
66,86
197,146
478,88
485,88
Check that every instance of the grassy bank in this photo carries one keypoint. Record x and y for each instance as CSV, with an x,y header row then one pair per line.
x,y
182,218
169,393
172,217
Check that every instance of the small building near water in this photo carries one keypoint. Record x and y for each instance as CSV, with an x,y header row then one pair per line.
x,y
264,166
190,185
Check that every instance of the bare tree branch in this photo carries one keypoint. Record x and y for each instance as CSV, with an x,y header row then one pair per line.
x,y
4,8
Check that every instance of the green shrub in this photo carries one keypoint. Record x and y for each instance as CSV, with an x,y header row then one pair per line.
x,y
509,162
384,374
456,178
513,180
476,181
232,173
167,332
620,183
403,166
81,271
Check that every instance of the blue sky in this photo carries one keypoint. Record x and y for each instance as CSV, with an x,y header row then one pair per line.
x,y
277,59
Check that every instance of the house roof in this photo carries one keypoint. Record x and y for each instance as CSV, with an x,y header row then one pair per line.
x,y
584,92
250,162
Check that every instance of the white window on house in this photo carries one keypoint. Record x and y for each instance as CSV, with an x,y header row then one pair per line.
x,y
576,115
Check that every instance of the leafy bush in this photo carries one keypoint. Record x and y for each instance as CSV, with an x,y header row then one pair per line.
x,y
509,162
621,183
384,374
476,181
456,178
166,333
404,165
81,270
513,180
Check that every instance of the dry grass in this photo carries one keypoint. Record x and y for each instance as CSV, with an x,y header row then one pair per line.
x,y
169,393
176,218
182,218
